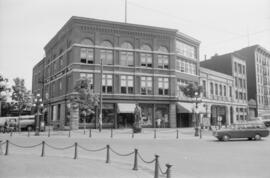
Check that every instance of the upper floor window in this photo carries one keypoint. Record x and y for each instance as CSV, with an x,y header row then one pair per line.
x,y
235,67
240,68
225,90
163,86
146,85
89,77
106,54
204,88
186,66
87,54
146,58
107,83
163,60
211,88
216,89
126,57
220,90
230,91
185,49
127,84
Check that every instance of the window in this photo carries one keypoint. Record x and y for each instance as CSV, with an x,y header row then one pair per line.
x,y
211,88
61,61
163,60
236,94
240,68
225,90
220,90
89,77
106,54
244,83
216,89
235,67
240,82
244,70
204,88
163,86
236,81
185,49
87,54
126,57
60,85
146,59
127,84
146,85
107,82
230,91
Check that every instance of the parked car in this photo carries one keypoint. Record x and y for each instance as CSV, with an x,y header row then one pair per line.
x,y
265,119
247,130
27,122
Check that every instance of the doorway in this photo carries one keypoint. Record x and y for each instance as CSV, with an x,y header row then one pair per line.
x,y
125,120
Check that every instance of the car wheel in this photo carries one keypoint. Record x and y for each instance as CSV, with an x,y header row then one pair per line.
x,y
257,137
249,138
225,138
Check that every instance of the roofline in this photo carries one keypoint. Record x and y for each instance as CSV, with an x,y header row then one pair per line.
x,y
216,72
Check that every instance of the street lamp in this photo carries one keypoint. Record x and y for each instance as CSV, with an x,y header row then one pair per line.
x,y
38,103
196,94
100,113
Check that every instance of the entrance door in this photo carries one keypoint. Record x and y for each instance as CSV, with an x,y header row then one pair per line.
x,y
125,120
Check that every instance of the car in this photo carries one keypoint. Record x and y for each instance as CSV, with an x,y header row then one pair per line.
x,y
266,120
244,130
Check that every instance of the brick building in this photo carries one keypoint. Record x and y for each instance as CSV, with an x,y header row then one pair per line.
x,y
141,64
258,79
234,65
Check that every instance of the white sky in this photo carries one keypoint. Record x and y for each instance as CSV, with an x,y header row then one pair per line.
x,y
221,25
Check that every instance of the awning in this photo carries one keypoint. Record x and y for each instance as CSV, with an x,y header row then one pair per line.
x,y
184,107
126,107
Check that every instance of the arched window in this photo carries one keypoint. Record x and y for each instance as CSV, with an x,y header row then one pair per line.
x,y
126,57
106,54
163,60
146,58
87,54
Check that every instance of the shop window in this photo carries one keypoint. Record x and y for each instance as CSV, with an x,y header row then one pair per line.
x,y
163,86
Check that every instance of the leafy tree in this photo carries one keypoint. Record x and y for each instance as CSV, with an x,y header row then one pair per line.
x,y
4,90
21,95
84,99
193,90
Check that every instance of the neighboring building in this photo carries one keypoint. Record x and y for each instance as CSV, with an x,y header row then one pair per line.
x,y
38,78
232,64
141,64
258,79
218,98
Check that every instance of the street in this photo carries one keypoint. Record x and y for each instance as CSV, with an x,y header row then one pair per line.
x,y
189,155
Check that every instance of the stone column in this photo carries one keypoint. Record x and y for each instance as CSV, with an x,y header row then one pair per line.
x,y
74,118
228,115
172,115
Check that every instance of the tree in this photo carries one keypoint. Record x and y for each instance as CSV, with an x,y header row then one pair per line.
x,y
4,90
84,98
22,96
193,90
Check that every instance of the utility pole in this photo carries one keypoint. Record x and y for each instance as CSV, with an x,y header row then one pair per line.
x,y
100,111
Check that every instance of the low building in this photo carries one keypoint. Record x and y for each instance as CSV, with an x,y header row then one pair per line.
x,y
141,65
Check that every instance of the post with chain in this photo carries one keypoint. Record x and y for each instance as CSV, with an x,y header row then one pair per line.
x,y
7,144
168,171
156,167
90,134
155,133
135,167
200,133
177,134
49,131
69,133
132,133
28,132
76,154
11,132
108,154
43,149
111,132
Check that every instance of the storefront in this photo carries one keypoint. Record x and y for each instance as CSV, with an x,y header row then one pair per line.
x,y
218,115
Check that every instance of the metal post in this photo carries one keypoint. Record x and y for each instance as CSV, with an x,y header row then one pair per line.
x,y
76,154
11,132
135,167
108,154
156,167
69,133
90,134
28,132
43,148
177,134
132,133
155,133
84,125
111,133
7,143
49,132
200,133
100,112
168,171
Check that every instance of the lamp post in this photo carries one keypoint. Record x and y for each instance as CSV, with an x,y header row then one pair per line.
x,y
196,94
100,110
38,104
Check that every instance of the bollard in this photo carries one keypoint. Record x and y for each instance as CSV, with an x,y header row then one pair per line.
x,y
132,133
76,154
168,171
28,132
156,167
7,143
155,133
11,132
177,134
43,149
111,133
1,152
84,130
200,133
108,154
135,167
69,133
90,134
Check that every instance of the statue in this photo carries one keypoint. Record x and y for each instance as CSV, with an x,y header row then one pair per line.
x,y
137,126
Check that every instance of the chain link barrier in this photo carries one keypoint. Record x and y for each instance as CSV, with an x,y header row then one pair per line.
x,y
58,148
148,162
20,146
160,170
92,150
119,154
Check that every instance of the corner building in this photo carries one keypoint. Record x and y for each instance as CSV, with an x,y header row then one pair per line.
x,y
141,64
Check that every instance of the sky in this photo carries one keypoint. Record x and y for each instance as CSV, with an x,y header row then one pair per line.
x,y
222,26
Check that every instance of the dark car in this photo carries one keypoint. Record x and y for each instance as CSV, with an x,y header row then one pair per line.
x,y
248,130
